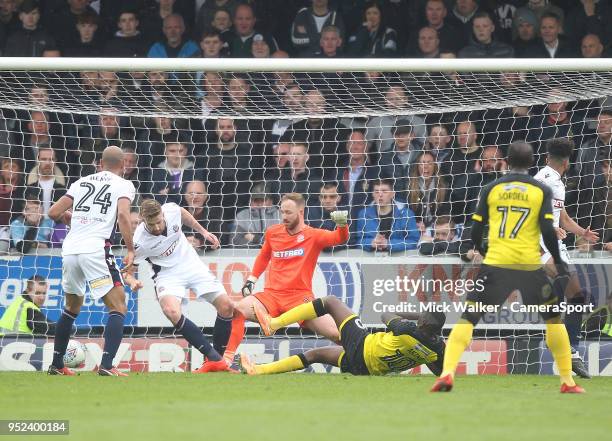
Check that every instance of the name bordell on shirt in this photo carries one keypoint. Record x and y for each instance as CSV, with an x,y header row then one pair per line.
x,y
166,250
514,207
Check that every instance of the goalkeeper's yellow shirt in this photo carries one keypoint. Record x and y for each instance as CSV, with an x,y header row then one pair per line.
x,y
398,350
514,207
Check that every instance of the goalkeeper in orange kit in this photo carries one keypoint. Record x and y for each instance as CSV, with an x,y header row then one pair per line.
x,y
290,252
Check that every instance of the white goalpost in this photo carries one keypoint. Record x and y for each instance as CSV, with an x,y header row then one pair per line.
x,y
225,138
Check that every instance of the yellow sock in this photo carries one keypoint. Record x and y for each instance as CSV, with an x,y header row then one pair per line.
x,y
293,363
557,341
458,341
305,311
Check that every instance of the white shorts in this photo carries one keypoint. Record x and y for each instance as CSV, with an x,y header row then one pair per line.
x,y
97,270
177,281
562,252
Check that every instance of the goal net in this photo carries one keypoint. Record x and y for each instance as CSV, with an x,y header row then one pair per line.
x,y
404,146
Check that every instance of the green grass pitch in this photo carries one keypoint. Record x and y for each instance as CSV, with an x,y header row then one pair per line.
x,y
309,407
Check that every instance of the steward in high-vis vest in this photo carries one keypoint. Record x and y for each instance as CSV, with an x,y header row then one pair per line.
x,y
24,316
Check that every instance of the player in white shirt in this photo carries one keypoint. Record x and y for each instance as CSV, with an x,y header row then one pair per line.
x,y
177,268
559,152
98,202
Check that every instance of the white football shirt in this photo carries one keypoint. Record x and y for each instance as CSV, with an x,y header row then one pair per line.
x,y
169,249
94,211
552,179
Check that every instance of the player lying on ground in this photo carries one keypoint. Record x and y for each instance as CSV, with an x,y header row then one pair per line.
x,y
402,347
177,268
290,251
517,209
101,200
559,152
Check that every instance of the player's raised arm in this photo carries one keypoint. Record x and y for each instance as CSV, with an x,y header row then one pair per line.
x,y
340,235
125,226
188,219
60,210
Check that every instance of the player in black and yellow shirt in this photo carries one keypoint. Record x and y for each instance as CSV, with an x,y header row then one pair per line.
x,y
404,346
516,208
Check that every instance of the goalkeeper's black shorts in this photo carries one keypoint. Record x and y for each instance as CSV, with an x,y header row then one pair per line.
x,y
352,338
498,283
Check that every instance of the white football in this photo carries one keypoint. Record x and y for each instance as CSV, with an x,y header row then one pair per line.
x,y
75,354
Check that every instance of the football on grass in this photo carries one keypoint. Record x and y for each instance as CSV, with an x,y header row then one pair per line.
x,y
75,354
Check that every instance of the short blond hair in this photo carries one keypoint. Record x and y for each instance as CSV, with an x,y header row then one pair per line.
x,y
149,209
295,197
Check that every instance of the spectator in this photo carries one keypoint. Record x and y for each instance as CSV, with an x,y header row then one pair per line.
x,y
157,90
9,18
428,43
466,151
11,197
244,27
385,225
222,23
172,174
89,43
195,200
444,240
252,222
228,167
525,24
174,46
355,179
599,213
589,17
462,15
550,45
309,22
539,8
466,188
213,94
319,212
502,13
330,45
298,177
374,38
106,129
32,229
438,142
591,46
325,137
23,315
595,150
47,179
207,13
212,46
140,177
30,40
151,143
128,41
281,160
152,20
380,127
404,152
557,120
427,193
483,45
64,23
436,17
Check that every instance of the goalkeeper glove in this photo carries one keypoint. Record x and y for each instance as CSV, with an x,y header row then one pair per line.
x,y
249,286
340,217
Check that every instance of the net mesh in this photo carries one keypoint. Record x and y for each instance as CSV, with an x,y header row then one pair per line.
x,y
226,145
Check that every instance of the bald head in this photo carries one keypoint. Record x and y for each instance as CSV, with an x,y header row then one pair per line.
x,y
112,158
520,155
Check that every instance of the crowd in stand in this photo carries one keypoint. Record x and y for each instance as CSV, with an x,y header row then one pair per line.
x,y
408,182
